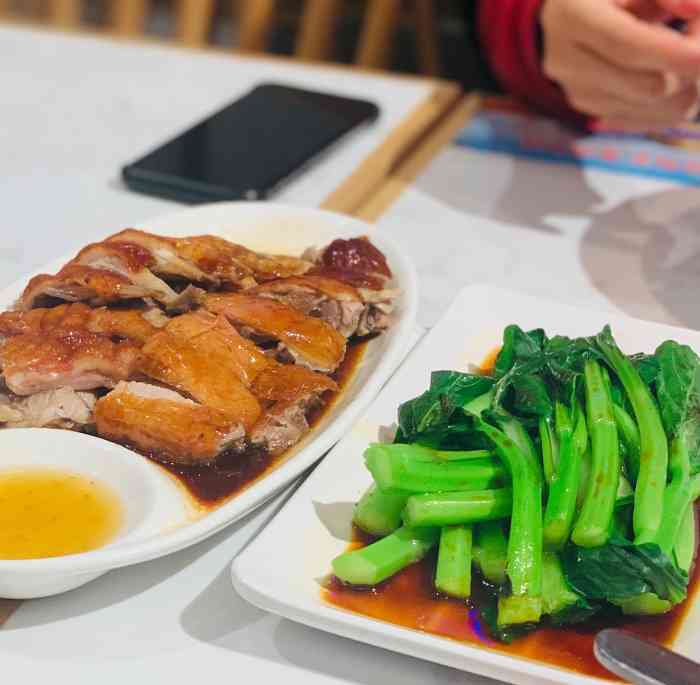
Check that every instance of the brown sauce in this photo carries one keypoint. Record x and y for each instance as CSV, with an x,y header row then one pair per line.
x,y
212,484
409,599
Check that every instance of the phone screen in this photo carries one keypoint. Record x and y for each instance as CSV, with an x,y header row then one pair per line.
x,y
246,150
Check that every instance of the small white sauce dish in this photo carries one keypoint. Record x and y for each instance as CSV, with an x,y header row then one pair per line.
x,y
152,503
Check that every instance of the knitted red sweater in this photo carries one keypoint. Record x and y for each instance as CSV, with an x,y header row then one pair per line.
x,y
509,34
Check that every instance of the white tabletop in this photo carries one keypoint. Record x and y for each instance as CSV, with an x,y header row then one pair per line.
x,y
74,110
586,237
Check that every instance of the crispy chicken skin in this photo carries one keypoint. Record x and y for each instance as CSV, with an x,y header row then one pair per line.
x,y
289,382
130,261
164,424
166,261
214,336
235,264
311,341
351,311
228,348
193,354
121,323
75,283
74,359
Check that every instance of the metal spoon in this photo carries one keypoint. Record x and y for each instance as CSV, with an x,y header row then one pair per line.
x,y
643,663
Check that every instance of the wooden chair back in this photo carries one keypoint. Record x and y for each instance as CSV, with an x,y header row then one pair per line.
x,y
256,21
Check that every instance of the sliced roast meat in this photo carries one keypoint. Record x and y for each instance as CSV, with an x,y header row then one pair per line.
x,y
77,283
165,424
130,261
282,425
351,311
290,382
79,360
60,408
194,353
166,261
310,341
135,324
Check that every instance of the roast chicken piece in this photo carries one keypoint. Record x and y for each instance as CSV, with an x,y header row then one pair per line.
x,y
290,382
216,338
282,425
355,261
166,261
79,360
351,311
132,262
134,324
292,391
204,357
74,283
108,272
61,408
310,341
237,265
165,424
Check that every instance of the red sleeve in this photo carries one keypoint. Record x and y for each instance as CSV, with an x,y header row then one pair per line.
x,y
509,36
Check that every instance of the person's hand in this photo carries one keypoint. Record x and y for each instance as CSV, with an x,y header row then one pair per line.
x,y
616,60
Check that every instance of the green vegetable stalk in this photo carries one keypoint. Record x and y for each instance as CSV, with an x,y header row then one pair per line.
x,y
559,601
695,487
490,551
398,469
595,518
453,575
524,566
629,435
379,512
677,496
451,508
382,559
561,503
549,449
653,460
684,550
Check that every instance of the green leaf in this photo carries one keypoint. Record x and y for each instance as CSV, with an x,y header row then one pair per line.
x,y
531,396
432,410
518,347
620,570
678,394
647,366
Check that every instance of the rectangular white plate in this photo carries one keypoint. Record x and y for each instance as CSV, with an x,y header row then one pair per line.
x,y
280,571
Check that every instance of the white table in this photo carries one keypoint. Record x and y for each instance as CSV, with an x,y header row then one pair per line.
x,y
73,110
585,237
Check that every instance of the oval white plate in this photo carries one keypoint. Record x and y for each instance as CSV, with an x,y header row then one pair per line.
x,y
270,227
280,570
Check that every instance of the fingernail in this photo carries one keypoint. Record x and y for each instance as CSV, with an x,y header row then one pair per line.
x,y
693,110
672,84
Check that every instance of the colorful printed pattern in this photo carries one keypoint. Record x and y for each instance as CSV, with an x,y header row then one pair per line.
x,y
531,137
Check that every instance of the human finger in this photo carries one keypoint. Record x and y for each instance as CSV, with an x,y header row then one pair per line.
x,y
623,38
670,111
578,68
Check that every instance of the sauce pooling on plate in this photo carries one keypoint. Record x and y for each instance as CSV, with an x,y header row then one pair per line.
x,y
409,599
50,513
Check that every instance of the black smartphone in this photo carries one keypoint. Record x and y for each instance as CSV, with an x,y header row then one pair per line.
x,y
250,148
